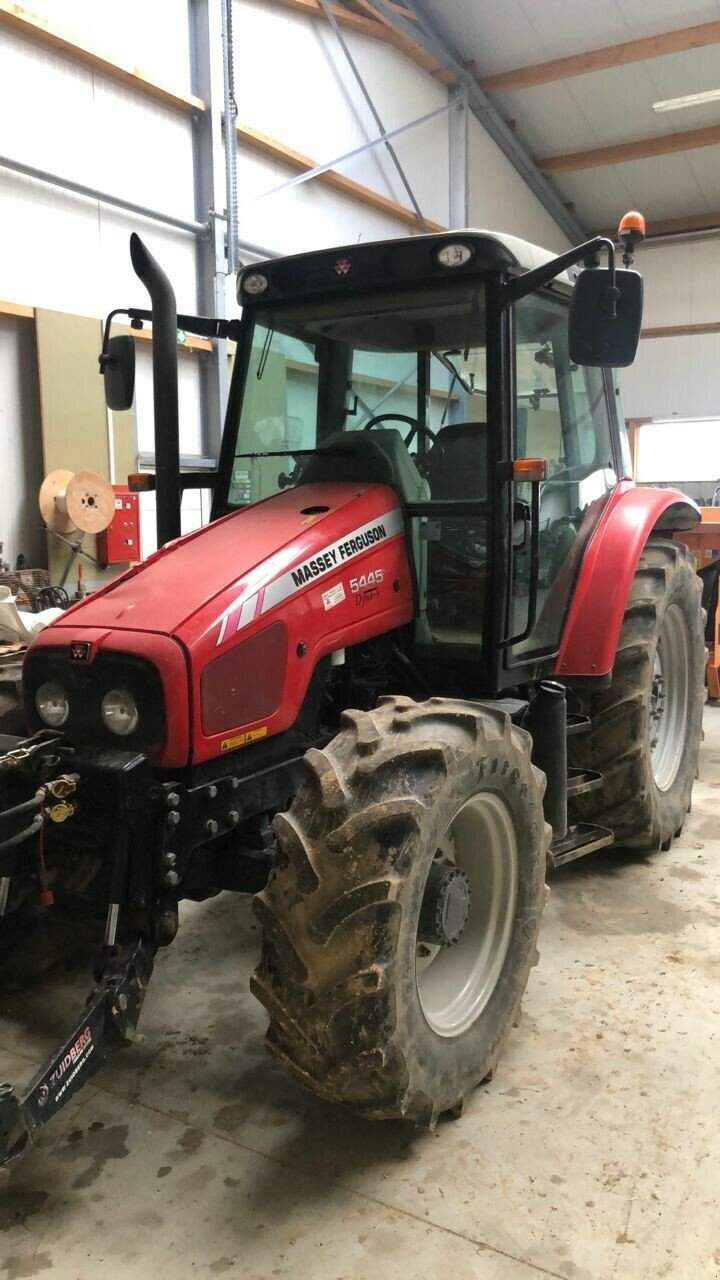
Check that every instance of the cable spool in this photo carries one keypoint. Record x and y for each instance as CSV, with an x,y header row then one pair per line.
x,y
84,501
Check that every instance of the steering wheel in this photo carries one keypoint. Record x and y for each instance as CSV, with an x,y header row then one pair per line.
x,y
415,428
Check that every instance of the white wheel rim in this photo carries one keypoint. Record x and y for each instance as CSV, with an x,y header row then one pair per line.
x,y
669,699
455,983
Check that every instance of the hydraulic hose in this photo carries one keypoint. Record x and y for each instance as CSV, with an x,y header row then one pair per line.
x,y
26,834
27,807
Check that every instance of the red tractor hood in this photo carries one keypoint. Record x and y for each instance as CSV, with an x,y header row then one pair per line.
x,y
249,548
236,616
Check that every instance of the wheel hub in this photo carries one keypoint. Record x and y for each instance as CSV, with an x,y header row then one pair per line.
x,y
657,702
445,906
669,697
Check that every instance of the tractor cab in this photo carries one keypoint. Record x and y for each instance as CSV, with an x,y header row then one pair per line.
x,y
444,367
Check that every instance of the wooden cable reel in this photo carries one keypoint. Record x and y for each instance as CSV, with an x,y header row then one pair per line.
x,y
82,501
76,503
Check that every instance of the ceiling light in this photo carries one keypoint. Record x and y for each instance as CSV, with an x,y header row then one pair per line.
x,y
690,100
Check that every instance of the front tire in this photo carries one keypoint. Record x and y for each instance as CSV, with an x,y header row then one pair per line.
x,y
366,1006
646,728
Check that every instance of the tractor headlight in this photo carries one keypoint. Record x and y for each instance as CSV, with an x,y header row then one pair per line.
x,y
454,255
52,704
254,283
120,712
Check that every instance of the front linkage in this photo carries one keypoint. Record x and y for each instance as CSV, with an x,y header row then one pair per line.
x,y
34,799
107,1022
150,842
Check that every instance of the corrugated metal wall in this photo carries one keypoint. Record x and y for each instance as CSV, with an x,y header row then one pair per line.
x,y
70,253
681,374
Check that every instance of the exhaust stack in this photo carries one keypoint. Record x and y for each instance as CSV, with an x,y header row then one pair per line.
x,y
165,390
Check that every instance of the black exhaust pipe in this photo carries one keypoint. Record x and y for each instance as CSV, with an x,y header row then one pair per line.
x,y
546,720
165,390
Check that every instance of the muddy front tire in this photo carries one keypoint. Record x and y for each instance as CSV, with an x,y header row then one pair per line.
x,y
646,727
366,1006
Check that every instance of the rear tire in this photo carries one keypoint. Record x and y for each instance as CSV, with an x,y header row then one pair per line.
x,y
341,971
646,727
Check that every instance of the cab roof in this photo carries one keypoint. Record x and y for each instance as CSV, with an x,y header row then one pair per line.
x,y
386,263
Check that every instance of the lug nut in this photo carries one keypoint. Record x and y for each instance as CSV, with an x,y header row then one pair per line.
x,y
171,879
234,783
233,817
173,818
211,791
172,799
211,827
169,859
122,1001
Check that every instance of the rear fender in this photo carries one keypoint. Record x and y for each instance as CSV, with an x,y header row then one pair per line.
x,y
597,607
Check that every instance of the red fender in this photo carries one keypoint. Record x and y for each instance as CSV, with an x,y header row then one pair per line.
x,y
592,628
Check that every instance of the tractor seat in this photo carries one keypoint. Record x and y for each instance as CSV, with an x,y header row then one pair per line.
x,y
366,457
456,465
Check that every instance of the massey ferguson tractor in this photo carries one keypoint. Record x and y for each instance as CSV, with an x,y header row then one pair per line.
x,y
433,643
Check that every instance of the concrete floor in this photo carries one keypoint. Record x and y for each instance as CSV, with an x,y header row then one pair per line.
x,y
594,1153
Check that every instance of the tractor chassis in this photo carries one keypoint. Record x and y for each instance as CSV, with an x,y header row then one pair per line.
x,y
156,839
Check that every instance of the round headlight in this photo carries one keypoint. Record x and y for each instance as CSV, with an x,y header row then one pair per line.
x,y
52,704
120,712
254,283
454,255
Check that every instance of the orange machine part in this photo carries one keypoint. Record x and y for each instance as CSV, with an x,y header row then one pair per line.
x,y
120,542
529,469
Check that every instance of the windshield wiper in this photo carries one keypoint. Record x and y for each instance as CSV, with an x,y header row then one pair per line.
x,y
467,384
264,354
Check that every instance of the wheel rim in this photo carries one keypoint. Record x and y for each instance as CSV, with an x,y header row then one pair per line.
x,y
455,983
669,699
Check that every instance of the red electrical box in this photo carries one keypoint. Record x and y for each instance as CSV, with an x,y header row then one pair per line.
x,y
120,542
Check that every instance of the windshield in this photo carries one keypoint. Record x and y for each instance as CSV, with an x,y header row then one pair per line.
x,y
409,363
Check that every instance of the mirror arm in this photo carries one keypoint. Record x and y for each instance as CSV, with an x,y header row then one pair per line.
x,y
103,357
203,326
521,286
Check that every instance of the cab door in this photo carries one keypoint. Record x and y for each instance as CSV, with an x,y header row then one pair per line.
x,y
453,526
562,416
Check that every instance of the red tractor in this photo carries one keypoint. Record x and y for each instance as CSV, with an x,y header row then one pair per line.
x,y
433,643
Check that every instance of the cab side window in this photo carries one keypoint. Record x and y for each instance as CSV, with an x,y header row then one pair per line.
x,y
561,416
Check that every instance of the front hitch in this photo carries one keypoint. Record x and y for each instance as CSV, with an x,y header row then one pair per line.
x,y
108,1021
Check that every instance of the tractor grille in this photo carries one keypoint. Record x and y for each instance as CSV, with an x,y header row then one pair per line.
x,y
86,685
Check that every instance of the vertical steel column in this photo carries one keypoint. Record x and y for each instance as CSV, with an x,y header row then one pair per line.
x,y
427,33
230,116
205,23
458,163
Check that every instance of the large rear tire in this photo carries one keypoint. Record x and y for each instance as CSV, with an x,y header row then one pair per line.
x,y
409,807
646,727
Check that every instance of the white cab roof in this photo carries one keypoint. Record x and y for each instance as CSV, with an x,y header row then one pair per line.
x,y
527,255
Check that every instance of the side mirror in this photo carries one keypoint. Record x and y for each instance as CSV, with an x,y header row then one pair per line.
x,y
604,325
117,365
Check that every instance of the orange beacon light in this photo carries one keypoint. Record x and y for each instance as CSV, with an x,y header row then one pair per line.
x,y
630,232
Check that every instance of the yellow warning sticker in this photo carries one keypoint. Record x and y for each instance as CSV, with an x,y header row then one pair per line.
x,y
242,739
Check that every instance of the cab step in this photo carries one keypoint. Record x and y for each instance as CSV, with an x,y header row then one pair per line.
x,y
580,781
576,723
582,838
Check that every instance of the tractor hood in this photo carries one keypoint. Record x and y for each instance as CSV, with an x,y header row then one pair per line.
x,y
196,577
232,620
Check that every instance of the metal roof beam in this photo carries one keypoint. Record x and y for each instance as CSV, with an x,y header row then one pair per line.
x,y
367,96
643,149
613,55
435,43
